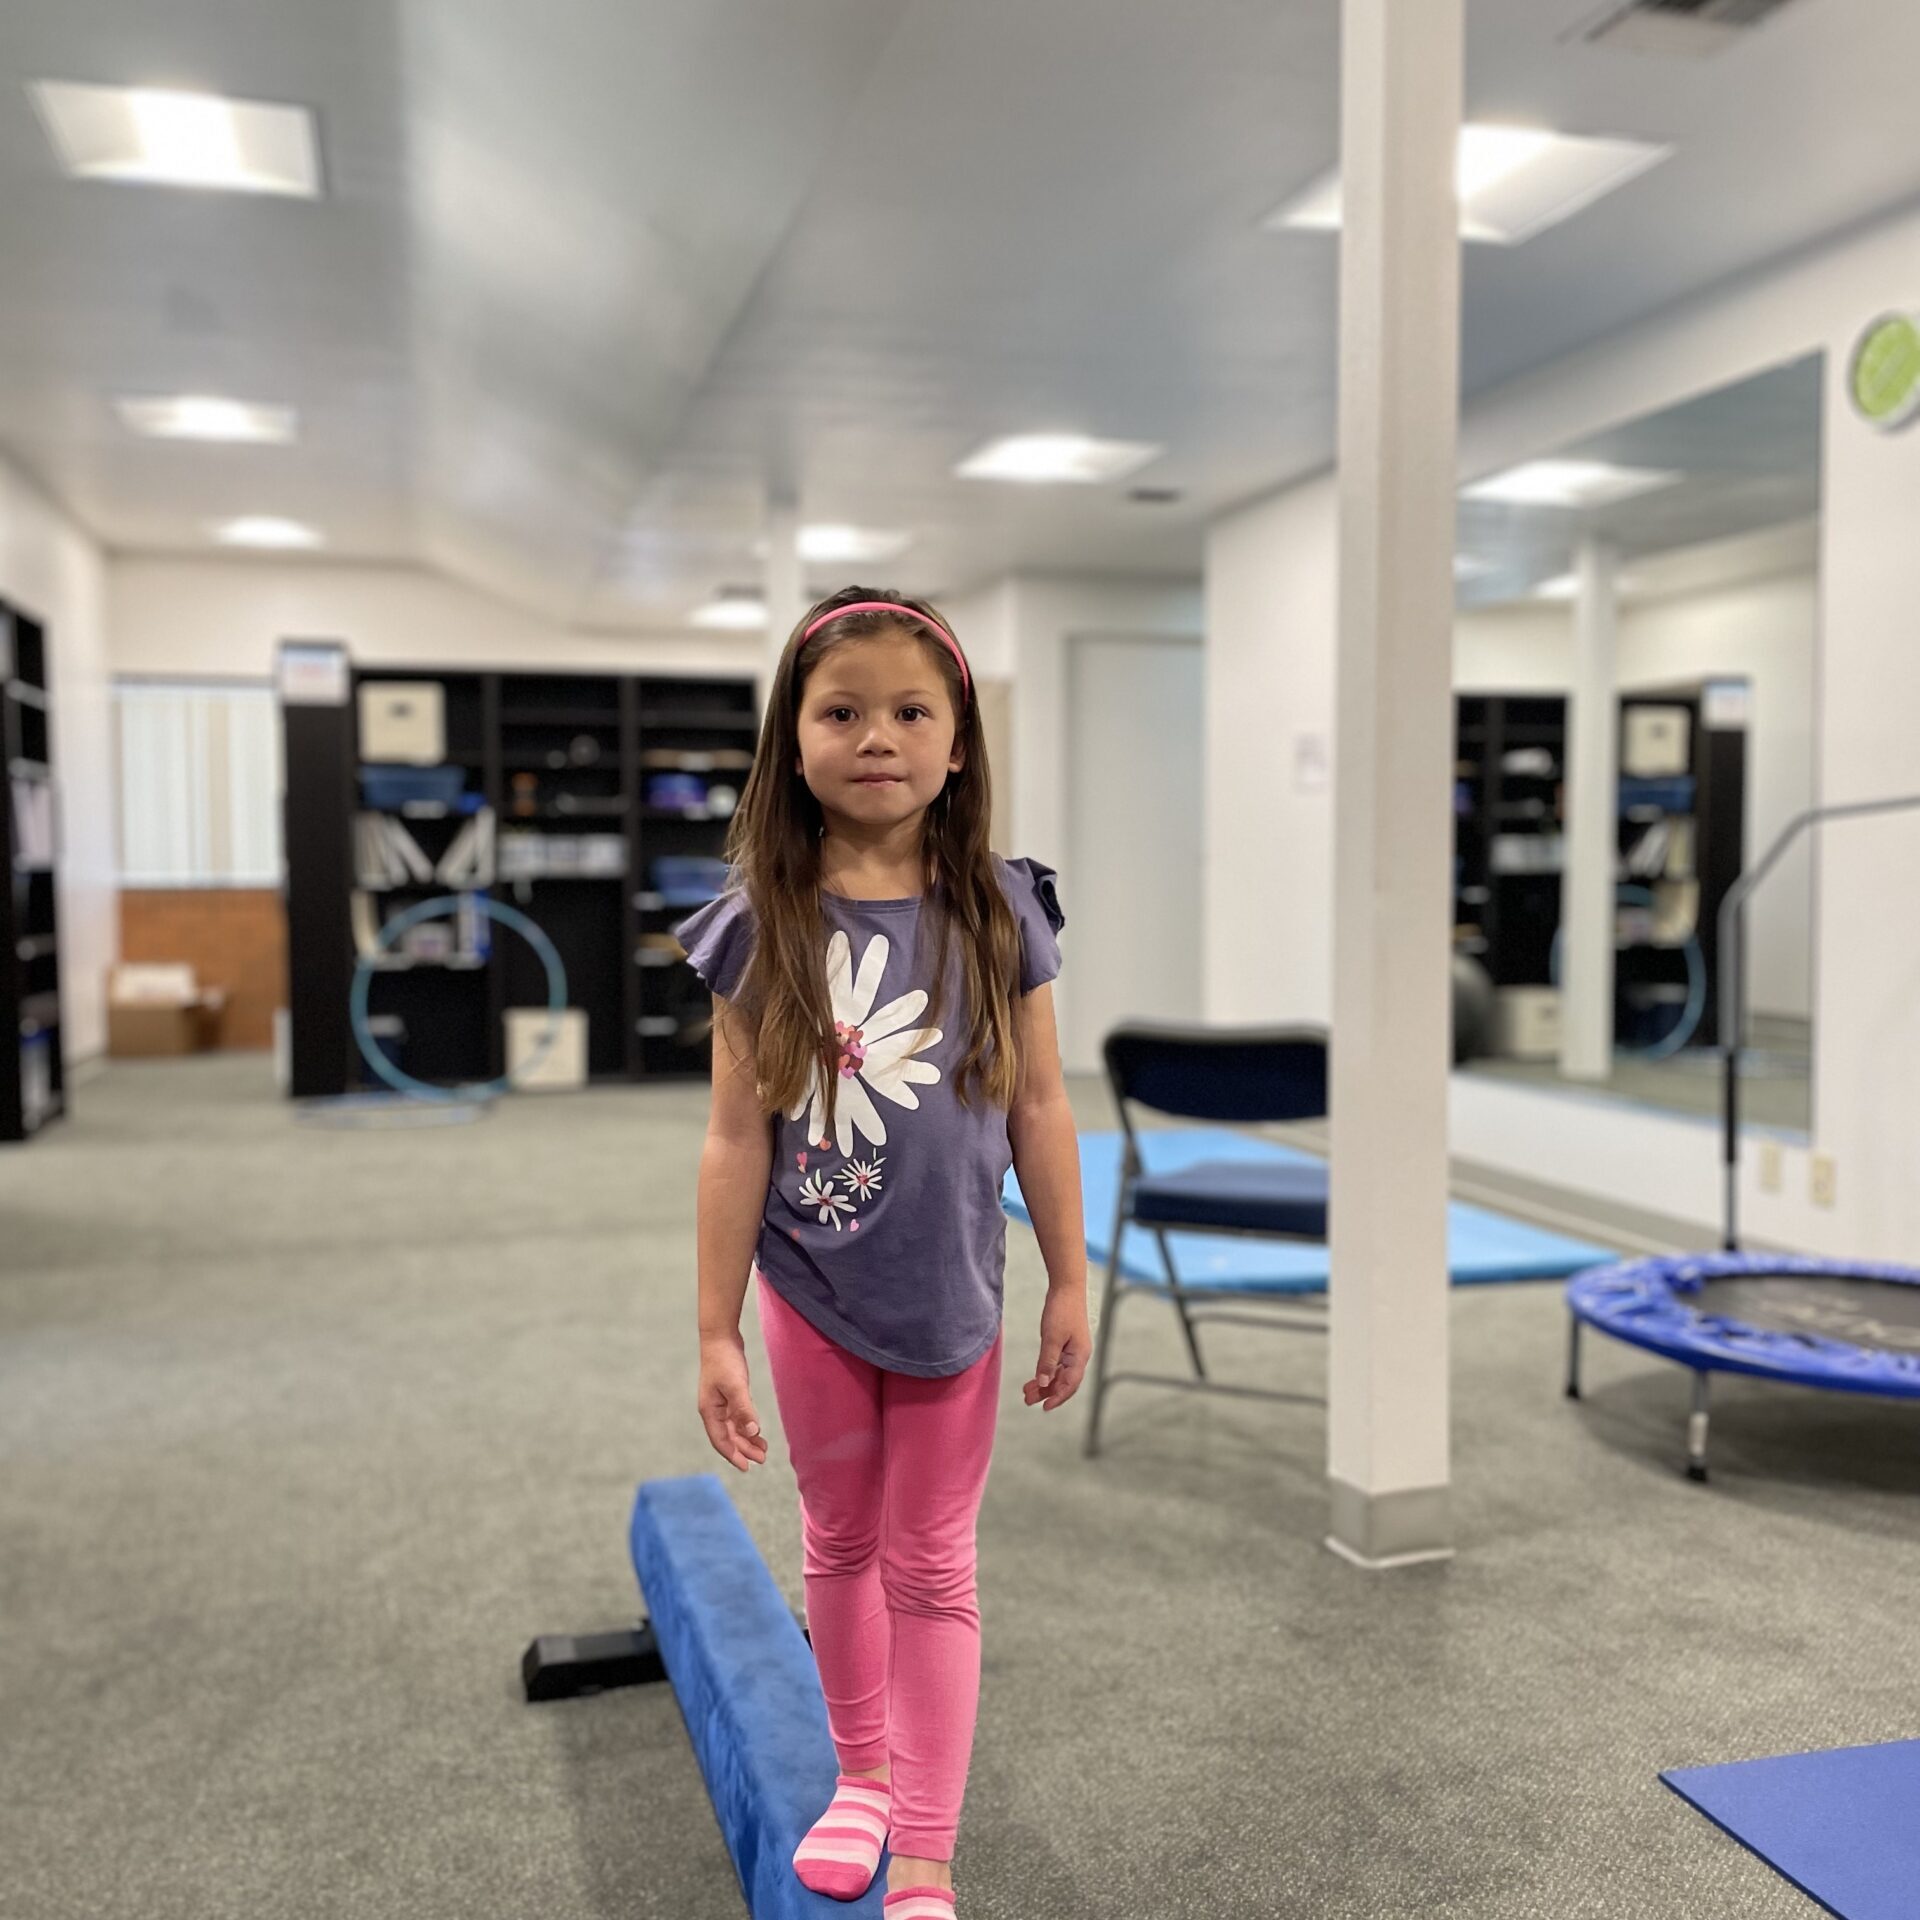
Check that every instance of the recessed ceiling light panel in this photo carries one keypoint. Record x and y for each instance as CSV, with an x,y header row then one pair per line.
x,y
732,612
1566,586
1568,483
831,544
1051,459
157,137
263,530
1513,182
206,417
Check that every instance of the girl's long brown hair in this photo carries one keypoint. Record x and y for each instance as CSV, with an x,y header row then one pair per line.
x,y
773,845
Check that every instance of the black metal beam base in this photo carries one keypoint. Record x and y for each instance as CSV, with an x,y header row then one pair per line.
x,y
568,1666
564,1666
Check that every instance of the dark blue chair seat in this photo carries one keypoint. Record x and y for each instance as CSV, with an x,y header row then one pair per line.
x,y
1239,1196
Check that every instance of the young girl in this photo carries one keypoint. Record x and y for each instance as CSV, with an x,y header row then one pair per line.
x,y
884,1048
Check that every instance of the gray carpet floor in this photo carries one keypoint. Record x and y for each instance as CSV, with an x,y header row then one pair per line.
x,y
305,1433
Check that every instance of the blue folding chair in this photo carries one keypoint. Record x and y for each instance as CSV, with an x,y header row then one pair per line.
x,y
1245,1074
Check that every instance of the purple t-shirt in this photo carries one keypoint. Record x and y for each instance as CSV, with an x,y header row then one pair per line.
x,y
887,1234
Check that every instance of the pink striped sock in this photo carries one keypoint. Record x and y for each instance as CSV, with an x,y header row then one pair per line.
x,y
919,1903
841,1852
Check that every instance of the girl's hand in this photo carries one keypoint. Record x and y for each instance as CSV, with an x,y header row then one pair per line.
x,y
1066,1344
726,1408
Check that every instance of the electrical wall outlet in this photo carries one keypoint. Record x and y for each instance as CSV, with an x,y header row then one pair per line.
x,y
1772,1173
1824,1177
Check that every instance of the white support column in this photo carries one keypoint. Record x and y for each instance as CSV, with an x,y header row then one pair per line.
x,y
1592,836
1399,417
785,590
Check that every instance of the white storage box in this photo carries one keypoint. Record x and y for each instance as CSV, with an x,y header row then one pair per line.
x,y
564,1066
1658,742
403,722
1526,1022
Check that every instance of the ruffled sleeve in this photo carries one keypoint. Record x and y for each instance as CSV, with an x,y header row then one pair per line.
x,y
1036,907
719,940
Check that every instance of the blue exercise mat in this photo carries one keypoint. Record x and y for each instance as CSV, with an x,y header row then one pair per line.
x,y
1843,1826
1482,1247
747,1687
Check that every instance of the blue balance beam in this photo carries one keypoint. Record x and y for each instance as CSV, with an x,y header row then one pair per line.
x,y
747,1685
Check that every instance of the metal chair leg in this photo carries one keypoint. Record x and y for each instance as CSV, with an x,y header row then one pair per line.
x,y
1573,1356
1180,1304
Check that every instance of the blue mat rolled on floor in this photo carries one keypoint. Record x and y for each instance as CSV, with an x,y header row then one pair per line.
x,y
1843,1826
747,1685
1483,1248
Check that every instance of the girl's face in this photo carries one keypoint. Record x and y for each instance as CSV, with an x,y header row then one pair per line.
x,y
876,729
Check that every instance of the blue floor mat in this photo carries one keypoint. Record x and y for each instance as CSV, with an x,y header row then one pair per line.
x,y
1482,1247
1840,1825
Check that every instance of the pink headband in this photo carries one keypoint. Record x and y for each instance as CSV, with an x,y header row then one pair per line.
x,y
918,619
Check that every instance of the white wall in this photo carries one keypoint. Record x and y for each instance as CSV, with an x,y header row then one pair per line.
x,y
225,617
1867,981
52,570
1271,601
1138,726
1524,648
982,621
1763,630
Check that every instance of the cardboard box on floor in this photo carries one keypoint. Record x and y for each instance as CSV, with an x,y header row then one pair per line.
x,y
155,1010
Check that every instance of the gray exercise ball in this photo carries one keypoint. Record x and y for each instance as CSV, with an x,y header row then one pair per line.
x,y
1472,1009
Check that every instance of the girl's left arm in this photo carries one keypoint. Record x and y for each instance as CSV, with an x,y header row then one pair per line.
x,y
1046,1158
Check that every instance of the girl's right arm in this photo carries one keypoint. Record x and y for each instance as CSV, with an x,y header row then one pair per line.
x,y
735,1165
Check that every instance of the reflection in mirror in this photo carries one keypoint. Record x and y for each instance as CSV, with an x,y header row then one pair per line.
x,y
1666,570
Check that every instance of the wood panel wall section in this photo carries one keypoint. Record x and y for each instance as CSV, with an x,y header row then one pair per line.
x,y
233,937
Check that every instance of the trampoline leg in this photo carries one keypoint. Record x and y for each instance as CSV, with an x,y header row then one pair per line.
x,y
1573,1356
1697,1430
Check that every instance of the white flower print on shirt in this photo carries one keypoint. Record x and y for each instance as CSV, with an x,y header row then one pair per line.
x,y
818,1191
862,1177
877,1045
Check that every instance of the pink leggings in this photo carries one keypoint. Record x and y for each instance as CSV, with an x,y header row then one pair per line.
x,y
891,1470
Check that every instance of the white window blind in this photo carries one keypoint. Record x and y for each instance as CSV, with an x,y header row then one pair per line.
x,y
199,785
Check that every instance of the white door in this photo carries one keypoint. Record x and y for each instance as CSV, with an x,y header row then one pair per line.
x,y
1131,892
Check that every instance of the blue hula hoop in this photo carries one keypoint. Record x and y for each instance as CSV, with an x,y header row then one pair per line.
x,y
440,908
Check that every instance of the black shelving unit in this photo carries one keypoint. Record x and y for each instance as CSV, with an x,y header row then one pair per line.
x,y
1509,779
32,1074
563,761
681,726
1698,816
1509,826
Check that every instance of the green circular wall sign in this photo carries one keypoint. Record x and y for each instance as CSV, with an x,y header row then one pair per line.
x,y
1884,379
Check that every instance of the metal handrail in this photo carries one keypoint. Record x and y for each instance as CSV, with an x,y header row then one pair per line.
x,y
1732,1007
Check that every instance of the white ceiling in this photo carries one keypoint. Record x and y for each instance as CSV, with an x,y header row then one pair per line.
x,y
594,276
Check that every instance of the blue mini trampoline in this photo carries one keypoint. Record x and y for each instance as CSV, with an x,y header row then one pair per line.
x,y
1850,1327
